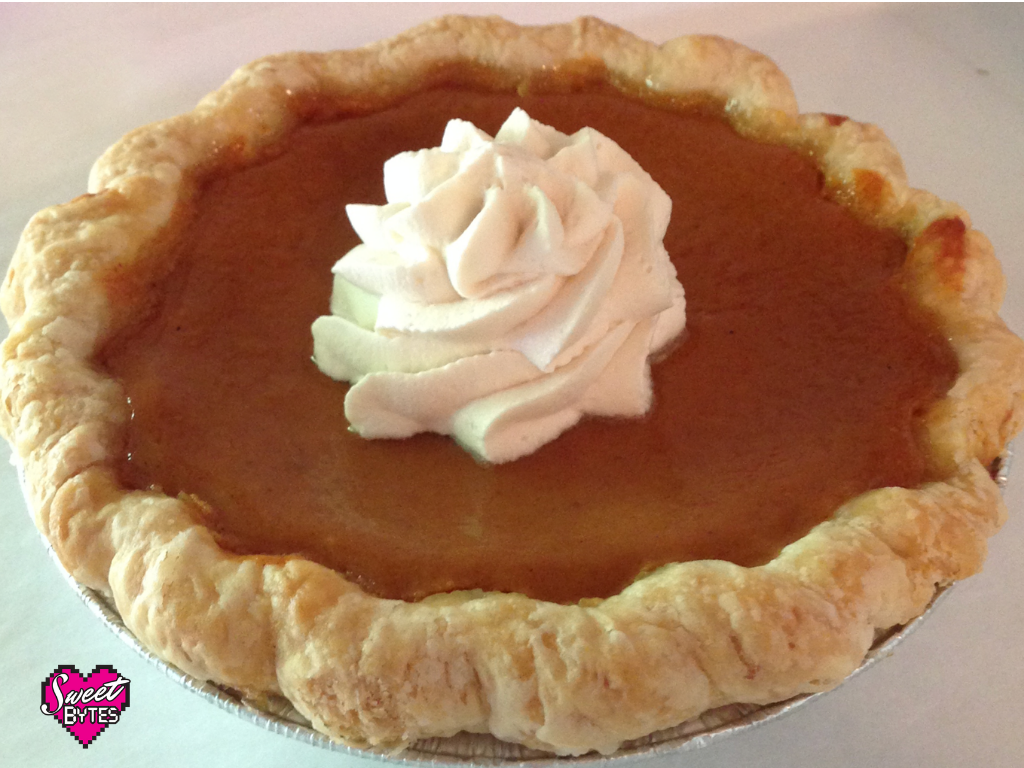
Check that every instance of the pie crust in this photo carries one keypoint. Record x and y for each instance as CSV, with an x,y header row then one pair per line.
x,y
563,678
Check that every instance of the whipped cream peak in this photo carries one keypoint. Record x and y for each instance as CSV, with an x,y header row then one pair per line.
x,y
509,286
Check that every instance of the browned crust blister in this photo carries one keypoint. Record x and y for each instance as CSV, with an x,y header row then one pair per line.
x,y
567,679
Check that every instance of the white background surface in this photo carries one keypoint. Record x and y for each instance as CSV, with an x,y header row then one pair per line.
x,y
945,82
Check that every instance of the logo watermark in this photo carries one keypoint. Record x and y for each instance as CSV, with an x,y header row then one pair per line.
x,y
85,706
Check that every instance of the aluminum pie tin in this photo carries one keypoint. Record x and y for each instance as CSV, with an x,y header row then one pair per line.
x,y
276,714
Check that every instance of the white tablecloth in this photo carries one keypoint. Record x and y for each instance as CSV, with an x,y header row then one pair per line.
x,y
944,82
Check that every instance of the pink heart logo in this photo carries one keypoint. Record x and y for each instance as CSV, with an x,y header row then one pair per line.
x,y
85,706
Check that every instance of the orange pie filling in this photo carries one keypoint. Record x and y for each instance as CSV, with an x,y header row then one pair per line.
x,y
799,383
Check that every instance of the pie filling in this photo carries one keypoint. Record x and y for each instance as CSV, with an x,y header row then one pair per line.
x,y
799,382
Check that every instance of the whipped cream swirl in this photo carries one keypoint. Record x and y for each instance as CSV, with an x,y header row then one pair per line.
x,y
508,287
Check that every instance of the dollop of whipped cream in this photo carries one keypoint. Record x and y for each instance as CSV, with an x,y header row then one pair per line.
x,y
508,287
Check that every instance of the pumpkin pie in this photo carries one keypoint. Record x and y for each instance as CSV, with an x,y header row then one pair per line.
x,y
815,464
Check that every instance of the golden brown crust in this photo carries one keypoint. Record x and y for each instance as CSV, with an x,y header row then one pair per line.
x,y
567,679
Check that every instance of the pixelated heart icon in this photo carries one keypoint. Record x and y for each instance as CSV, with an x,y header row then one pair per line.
x,y
85,706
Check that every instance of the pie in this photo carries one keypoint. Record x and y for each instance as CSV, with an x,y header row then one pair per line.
x,y
817,462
